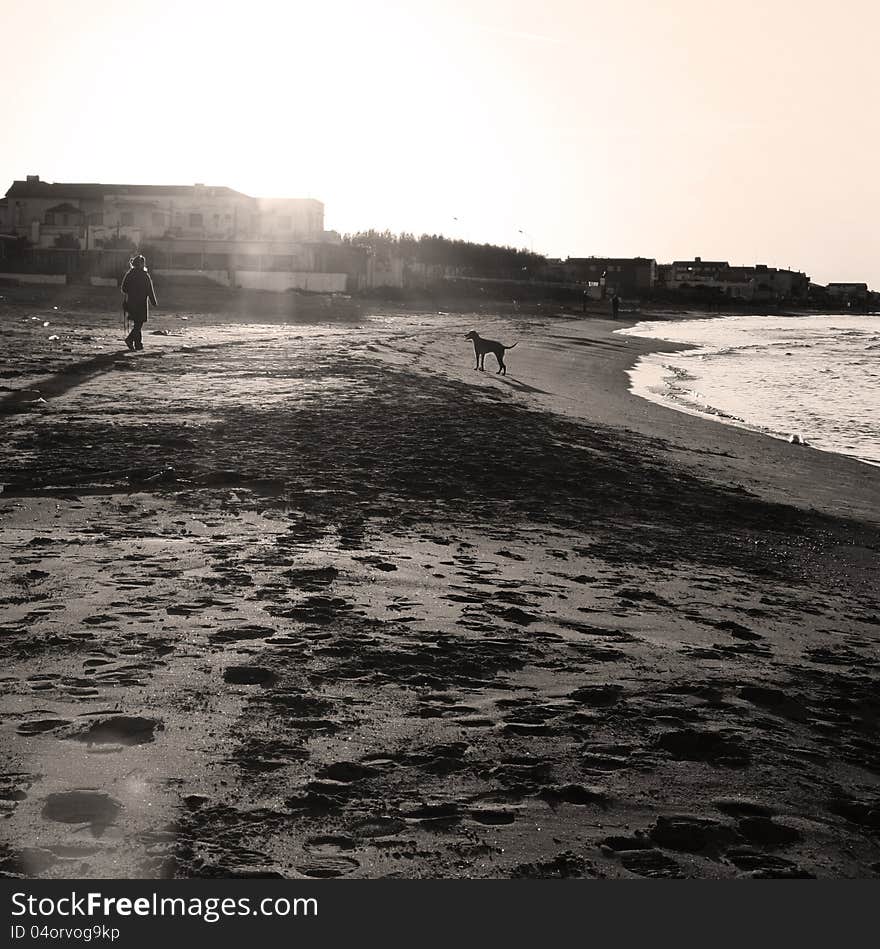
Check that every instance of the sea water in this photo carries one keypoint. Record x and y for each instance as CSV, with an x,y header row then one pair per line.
x,y
810,379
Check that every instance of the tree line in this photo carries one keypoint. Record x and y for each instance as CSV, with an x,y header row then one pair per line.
x,y
485,260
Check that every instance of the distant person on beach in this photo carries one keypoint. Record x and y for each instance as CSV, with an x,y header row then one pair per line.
x,y
137,295
615,305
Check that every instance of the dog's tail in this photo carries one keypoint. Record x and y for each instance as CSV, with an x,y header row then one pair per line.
x,y
510,347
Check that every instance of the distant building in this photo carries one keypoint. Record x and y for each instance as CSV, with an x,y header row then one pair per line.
x,y
757,283
775,284
290,218
92,214
629,276
854,295
738,283
686,274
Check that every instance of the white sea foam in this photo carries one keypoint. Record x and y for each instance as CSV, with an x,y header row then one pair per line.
x,y
814,377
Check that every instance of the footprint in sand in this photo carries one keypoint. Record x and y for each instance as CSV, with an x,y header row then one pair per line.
x,y
94,808
40,726
440,816
597,696
121,730
576,794
378,827
248,675
329,846
13,788
615,844
298,704
650,863
742,807
239,633
493,817
712,747
376,562
765,866
764,832
691,834
99,619
565,866
29,862
79,687
43,682
346,772
327,867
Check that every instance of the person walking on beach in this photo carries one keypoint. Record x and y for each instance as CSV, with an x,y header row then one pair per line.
x,y
137,295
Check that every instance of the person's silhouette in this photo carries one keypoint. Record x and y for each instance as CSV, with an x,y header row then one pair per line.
x,y
137,295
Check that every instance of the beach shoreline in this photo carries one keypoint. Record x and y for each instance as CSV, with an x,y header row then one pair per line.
x,y
312,598
677,381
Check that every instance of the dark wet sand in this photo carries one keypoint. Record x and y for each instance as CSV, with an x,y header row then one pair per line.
x,y
391,617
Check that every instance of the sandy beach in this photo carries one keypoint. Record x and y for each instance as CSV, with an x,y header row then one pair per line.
x,y
300,594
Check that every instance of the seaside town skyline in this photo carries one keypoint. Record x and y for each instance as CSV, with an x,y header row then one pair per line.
x,y
575,128
218,229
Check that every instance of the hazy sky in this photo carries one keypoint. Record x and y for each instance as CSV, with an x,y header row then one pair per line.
x,y
744,130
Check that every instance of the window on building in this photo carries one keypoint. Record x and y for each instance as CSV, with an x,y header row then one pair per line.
x,y
216,220
158,219
96,219
195,220
285,223
50,217
127,218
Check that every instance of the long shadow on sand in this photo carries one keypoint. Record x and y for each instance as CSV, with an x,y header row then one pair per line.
x,y
64,380
70,376
589,341
521,386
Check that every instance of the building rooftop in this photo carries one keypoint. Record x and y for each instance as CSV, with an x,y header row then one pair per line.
x,y
33,187
65,208
610,260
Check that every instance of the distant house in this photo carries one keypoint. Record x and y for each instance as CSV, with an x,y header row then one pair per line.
x,y
62,222
629,276
290,218
738,283
96,213
775,284
855,295
689,274
757,283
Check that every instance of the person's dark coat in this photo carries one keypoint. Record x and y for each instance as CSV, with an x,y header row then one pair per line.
x,y
139,294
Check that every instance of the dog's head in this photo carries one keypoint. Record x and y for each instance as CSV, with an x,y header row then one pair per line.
x,y
473,335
